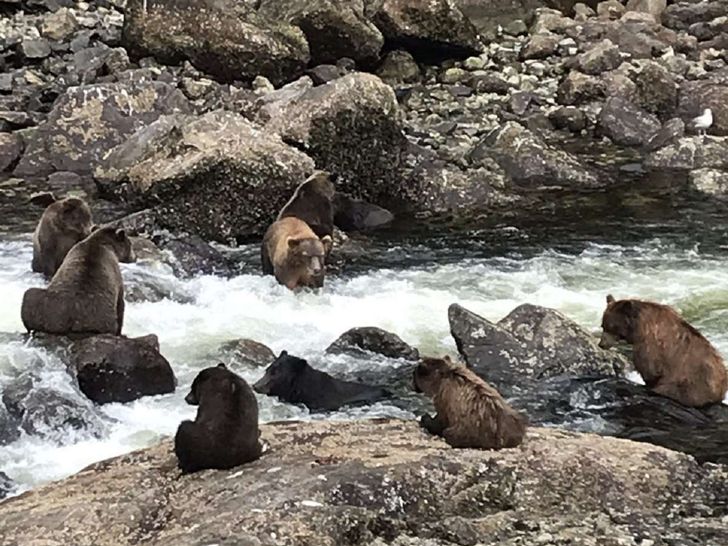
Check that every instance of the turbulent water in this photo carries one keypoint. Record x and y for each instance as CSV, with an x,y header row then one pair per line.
x,y
403,284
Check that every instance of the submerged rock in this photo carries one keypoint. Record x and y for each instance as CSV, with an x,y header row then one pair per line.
x,y
384,482
374,340
531,343
119,369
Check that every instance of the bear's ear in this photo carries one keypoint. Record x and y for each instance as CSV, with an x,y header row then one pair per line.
x,y
610,299
222,365
42,199
328,243
120,234
293,243
283,353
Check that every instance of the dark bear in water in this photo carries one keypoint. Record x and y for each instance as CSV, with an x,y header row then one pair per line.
x,y
64,223
312,202
673,358
86,295
292,380
294,254
225,432
470,413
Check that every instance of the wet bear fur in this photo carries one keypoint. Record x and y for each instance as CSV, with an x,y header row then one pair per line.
x,y
64,223
225,431
294,381
470,412
293,253
86,295
313,202
673,358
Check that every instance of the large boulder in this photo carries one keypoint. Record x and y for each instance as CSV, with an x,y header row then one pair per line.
x,y
531,161
11,146
120,369
626,124
383,482
698,95
358,215
218,176
88,121
690,153
349,127
656,90
333,28
430,30
224,38
372,340
532,343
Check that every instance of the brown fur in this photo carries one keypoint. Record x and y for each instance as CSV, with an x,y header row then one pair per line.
x,y
86,295
294,254
673,358
470,412
64,223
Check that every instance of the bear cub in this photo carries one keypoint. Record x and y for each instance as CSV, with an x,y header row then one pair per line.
x,y
673,358
86,295
470,412
225,432
64,223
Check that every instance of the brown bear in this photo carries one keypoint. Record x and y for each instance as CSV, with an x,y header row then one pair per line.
x,y
294,254
673,358
225,432
470,413
86,295
312,202
64,223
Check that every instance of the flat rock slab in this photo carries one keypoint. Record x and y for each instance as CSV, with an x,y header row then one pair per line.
x,y
382,482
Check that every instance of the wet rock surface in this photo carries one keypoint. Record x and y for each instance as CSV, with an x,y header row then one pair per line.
x,y
384,482
358,341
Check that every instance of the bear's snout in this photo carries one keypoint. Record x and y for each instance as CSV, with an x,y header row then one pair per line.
x,y
607,341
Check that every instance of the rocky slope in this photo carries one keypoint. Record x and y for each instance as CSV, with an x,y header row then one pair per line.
x,y
386,482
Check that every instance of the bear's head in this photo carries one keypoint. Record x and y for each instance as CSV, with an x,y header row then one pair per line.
x,y
281,376
429,373
212,382
619,322
319,183
307,257
70,215
119,241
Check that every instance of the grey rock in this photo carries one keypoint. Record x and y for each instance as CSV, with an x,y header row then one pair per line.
x,y
9,429
119,369
325,73
712,182
489,82
653,7
690,153
577,88
541,46
532,343
697,95
11,146
610,9
60,25
680,15
399,66
248,352
454,75
7,486
187,166
672,131
358,215
602,57
626,124
333,28
35,48
192,256
569,118
657,90
228,40
88,121
551,20
358,341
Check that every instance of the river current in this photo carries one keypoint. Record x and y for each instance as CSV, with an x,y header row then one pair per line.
x,y
402,282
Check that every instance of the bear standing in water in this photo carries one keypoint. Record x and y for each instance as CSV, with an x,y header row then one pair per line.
x,y
294,254
470,413
64,223
86,295
225,432
673,358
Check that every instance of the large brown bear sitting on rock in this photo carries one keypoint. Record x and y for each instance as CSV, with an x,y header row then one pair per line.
x,y
673,358
64,223
294,254
312,202
225,432
470,413
86,295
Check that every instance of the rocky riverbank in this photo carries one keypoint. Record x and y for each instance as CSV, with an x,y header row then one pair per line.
x,y
386,482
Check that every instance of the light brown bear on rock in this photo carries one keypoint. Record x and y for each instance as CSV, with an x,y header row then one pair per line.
x,y
64,223
86,295
294,254
673,358
470,413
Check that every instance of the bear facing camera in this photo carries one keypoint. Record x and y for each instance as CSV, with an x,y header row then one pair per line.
x,y
225,431
470,412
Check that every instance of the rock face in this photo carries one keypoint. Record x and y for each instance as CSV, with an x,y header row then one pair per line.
x,y
349,127
690,153
333,28
384,482
358,215
373,340
7,486
118,369
627,124
695,96
531,343
218,176
429,30
226,39
88,121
